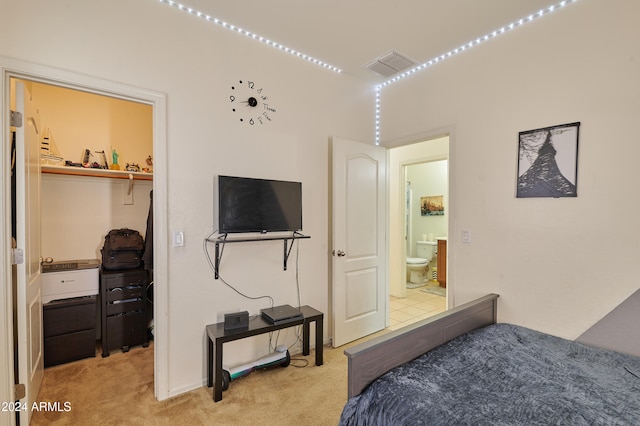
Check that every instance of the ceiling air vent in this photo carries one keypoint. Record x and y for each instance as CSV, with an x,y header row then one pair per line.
x,y
390,64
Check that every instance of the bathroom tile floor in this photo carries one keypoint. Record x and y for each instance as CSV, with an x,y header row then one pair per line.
x,y
416,306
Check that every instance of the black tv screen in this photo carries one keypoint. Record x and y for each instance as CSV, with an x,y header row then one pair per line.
x,y
258,205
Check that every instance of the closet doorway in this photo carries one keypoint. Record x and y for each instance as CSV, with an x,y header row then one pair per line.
x,y
85,197
96,175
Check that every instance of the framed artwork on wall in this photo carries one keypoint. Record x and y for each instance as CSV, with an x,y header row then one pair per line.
x,y
432,205
548,162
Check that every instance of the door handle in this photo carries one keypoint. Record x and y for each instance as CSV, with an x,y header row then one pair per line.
x,y
340,253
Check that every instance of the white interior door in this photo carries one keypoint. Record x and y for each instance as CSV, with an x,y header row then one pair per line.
x,y
29,289
359,289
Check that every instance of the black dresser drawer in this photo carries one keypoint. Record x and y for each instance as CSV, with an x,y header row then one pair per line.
x,y
123,309
69,347
124,306
68,316
126,330
124,293
121,279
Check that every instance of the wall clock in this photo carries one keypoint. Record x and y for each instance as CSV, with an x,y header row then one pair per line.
x,y
250,104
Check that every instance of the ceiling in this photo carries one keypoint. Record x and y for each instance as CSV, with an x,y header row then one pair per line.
x,y
350,34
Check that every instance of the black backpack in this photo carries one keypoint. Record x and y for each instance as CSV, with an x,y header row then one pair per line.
x,y
122,249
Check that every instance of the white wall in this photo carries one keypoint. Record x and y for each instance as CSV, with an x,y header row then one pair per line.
x,y
148,44
78,211
559,265
79,120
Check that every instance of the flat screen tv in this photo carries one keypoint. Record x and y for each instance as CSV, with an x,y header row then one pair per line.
x,y
258,205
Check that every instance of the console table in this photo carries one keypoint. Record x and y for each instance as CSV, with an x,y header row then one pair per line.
x,y
217,336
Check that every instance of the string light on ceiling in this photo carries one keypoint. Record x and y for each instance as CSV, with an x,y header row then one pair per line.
x,y
378,88
479,40
251,35
468,45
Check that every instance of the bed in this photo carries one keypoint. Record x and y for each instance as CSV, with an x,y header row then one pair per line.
x,y
461,367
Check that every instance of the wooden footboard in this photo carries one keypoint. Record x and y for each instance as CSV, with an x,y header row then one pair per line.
x,y
373,358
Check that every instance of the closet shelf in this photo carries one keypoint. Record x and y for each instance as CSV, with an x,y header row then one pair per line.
x,y
104,173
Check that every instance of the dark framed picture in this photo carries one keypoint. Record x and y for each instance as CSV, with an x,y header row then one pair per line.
x,y
548,162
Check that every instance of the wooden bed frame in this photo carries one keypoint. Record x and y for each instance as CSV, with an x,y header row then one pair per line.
x,y
371,359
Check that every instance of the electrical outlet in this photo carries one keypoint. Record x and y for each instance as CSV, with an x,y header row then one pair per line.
x,y
466,236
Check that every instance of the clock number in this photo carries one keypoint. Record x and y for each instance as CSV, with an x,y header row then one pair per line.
x,y
252,99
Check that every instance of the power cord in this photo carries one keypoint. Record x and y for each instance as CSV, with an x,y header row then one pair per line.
x,y
213,268
298,331
272,346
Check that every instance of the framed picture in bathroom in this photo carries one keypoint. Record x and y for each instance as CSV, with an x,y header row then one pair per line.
x,y
548,162
432,205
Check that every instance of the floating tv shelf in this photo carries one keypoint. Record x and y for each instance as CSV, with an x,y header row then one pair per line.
x,y
222,240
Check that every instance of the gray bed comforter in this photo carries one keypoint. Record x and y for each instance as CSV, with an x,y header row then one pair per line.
x,y
504,375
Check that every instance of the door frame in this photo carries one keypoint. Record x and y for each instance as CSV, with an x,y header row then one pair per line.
x,y
403,198
27,280
11,68
424,137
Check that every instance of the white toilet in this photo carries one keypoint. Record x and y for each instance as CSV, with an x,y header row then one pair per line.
x,y
417,266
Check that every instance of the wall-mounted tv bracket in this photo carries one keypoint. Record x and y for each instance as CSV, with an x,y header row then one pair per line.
x,y
221,240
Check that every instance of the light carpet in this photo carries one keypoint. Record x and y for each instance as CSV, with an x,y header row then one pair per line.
x,y
119,390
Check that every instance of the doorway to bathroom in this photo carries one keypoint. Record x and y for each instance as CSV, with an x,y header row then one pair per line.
x,y
426,202
419,220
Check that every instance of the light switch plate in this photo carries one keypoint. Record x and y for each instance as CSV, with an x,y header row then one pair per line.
x,y
178,239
